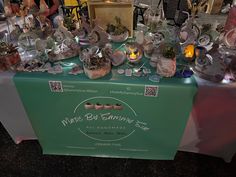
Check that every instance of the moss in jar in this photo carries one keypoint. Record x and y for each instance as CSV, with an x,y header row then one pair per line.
x,y
168,51
70,22
117,28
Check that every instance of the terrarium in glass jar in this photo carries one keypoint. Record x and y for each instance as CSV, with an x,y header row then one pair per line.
x,y
96,62
9,57
166,63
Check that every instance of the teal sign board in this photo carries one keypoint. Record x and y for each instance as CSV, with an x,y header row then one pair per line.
x,y
106,118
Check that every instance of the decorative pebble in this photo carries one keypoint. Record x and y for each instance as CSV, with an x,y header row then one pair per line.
x,y
76,70
137,74
153,64
55,70
146,71
120,71
155,78
128,72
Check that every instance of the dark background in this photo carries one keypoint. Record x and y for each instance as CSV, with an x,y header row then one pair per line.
x,y
26,160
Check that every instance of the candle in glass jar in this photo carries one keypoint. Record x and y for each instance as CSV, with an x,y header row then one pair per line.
x,y
133,54
189,52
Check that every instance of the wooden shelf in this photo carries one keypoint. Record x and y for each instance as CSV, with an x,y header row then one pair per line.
x,y
107,11
108,3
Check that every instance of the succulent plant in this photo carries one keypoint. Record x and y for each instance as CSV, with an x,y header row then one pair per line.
x,y
95,62
168,51
117,28
69,22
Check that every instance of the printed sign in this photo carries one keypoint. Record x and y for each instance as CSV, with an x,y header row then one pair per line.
x,y
105,119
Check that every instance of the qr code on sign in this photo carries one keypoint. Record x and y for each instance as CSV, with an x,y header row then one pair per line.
x,y
55,86
151,90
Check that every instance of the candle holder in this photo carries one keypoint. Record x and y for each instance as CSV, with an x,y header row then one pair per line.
x,y
209,66
189,54
204,40
201,59
133,52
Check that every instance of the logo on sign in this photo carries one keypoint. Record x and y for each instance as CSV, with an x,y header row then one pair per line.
x,y
105,119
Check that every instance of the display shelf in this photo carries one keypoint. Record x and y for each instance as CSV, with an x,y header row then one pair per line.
x,y
107,11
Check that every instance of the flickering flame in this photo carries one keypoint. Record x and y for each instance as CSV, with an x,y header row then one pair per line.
x,y
189,51
188,54
133,56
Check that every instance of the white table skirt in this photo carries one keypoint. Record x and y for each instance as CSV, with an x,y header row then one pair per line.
x,y
12,113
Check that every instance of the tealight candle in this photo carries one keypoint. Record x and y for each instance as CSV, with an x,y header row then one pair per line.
x,y
133,56
189,52
133,53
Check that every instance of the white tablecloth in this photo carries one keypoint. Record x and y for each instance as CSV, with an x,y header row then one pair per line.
x,y
12,113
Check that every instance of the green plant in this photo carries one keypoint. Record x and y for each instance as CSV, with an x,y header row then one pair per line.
x,y
70,22
117,28
168,51
95,62
206,28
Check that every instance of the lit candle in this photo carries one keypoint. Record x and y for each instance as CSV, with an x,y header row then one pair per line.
x,y
133,53
189,52
133,56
